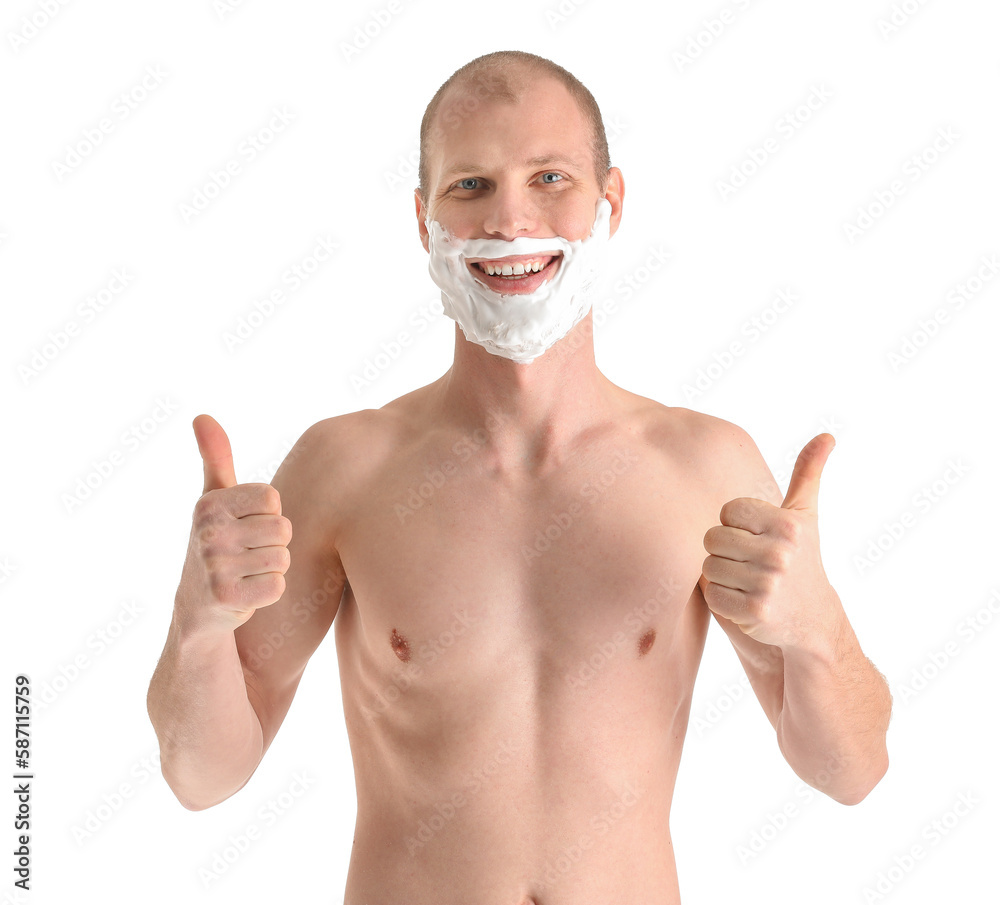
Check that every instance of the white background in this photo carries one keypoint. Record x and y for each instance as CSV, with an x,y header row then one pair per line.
x,y
344,169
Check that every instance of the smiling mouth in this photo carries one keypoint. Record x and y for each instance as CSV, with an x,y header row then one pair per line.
x,y
520,273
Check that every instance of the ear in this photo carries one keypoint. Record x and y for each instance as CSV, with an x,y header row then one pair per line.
x,y
421,216
615,193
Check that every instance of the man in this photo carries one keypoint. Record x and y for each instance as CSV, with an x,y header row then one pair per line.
x,y
516,559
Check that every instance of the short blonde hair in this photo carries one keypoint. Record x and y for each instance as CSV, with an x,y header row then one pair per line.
x,y
505,75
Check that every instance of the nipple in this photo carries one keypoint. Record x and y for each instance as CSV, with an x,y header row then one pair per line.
x,y
400,646
646,642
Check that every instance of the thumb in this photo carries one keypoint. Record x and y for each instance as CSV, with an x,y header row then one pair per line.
x,y
803,486
216,453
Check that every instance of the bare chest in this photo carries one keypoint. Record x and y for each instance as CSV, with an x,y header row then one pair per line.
x,y
525,650
457,570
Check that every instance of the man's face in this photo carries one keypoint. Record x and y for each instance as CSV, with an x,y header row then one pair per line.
x,y
503,170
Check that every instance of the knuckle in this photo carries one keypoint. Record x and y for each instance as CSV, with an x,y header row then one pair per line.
x,y
768,585
270,498
213,541
735,509
208,536
275,559
757,601
209,513
777,557
205,508
272,589
221,587
791,530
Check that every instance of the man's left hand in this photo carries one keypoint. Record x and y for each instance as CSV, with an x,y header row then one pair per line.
x,y
764,571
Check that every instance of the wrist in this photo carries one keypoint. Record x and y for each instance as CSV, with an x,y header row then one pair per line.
x,y
198,636
829,642
829,651
195,621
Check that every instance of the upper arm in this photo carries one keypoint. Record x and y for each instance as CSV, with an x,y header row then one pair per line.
x,y
275,643
744,473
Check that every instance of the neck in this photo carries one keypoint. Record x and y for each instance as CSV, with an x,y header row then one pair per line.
x,y
527,414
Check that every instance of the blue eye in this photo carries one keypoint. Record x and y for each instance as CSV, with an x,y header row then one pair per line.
x,y
557,175
462,183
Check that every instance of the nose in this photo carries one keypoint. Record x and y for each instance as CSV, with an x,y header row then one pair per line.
x,y
509,215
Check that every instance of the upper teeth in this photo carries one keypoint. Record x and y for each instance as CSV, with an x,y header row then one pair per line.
x,y
511,269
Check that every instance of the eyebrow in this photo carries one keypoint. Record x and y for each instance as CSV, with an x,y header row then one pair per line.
x,y
542,161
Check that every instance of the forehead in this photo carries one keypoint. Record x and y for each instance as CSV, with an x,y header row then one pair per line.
x,y
474,130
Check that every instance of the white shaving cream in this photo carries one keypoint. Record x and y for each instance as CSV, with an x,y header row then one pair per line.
x,y
524,326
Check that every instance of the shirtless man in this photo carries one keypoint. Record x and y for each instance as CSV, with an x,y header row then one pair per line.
x,y
516,559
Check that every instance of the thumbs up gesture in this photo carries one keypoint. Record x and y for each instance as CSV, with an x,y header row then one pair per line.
x,y
238,551
764,571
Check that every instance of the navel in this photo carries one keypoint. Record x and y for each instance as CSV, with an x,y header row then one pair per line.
x,y
646,642
400,646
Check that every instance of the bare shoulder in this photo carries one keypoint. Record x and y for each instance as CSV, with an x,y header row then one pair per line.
x,y
713,450
333,465
342,446
684,430
734,459
343,449
359,443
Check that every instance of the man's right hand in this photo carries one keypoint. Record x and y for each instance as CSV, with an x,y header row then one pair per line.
x,y
238,552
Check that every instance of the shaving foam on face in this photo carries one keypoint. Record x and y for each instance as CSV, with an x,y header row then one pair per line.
x,y
524,326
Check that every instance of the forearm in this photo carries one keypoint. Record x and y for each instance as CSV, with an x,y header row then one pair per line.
x,y
210,737
834,716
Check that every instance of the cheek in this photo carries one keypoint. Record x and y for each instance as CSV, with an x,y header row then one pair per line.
x,y
575,225
456,222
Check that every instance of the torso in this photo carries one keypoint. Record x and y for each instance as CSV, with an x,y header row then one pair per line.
x,y
517,656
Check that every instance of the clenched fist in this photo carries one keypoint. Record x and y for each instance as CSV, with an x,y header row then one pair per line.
x,y
238,552
764,570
